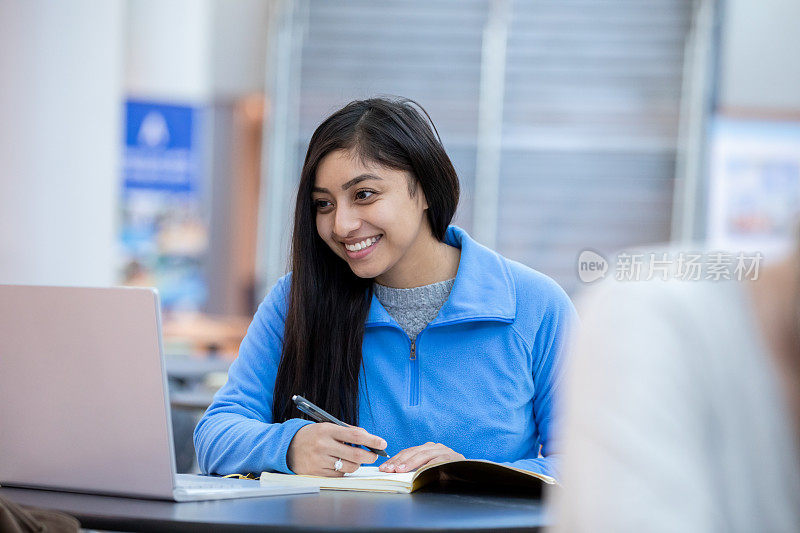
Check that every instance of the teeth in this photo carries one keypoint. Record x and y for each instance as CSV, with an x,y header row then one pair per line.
x,y
361,245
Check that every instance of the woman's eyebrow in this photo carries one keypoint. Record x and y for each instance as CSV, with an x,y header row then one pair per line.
x,y
354,181
359,179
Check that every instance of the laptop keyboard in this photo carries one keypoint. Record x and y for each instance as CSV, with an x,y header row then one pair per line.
x,y
196,482
206,486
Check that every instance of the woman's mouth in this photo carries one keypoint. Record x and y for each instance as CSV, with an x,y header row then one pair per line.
x,y
363,248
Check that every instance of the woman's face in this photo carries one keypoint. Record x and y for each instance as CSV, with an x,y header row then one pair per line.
x,y
366,214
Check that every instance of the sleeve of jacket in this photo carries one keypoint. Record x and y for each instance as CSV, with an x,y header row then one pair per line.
x,y
549,349
236,434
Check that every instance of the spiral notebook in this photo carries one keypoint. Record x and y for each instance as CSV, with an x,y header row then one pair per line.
x,y
451,475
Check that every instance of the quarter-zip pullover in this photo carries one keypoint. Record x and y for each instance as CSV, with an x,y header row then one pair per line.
x,y
481,378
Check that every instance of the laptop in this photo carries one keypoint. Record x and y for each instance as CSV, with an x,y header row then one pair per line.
x,y
84,405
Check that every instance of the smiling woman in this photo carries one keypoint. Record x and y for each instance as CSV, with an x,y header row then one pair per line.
x,y
377,222
391,320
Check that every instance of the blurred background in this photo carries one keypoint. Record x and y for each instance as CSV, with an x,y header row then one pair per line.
x,y
159,143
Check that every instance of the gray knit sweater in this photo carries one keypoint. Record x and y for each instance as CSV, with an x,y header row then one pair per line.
x,y
414,308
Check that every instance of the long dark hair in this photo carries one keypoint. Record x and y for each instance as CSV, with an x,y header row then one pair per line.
x,y
328,303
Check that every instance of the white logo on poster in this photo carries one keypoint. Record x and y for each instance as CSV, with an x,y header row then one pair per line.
x,y
153,132
591,266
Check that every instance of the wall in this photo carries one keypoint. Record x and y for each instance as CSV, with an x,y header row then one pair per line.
x,y
759,66
60,128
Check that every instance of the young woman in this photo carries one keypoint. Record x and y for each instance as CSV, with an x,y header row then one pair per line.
x,y
432,346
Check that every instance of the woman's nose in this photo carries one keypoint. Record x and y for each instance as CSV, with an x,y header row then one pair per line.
x,y
345,222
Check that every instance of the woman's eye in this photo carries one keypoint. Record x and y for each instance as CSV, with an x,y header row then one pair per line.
x,y
363,195
321,204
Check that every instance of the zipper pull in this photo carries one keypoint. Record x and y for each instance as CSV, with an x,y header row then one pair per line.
x,y
413,351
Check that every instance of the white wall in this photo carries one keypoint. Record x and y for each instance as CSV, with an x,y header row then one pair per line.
x,y
760,57
61,66
195,51
238,57
168,49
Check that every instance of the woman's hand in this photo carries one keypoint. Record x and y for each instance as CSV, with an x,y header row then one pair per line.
x,y
418,456
315,449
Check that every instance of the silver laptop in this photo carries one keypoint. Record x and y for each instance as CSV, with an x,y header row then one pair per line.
x,y
83,397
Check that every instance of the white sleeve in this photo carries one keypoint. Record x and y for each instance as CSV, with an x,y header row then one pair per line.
x,y
634,455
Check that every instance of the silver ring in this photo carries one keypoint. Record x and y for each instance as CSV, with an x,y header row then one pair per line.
x,y
338,465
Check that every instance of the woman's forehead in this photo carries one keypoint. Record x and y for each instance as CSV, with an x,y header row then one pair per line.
x,y
341,166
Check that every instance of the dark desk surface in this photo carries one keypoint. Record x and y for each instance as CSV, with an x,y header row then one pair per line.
x,y
326,511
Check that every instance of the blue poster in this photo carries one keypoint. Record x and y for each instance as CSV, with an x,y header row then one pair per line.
x,y
159,149
164,236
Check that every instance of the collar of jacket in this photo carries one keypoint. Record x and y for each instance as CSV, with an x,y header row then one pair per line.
x,y
483,289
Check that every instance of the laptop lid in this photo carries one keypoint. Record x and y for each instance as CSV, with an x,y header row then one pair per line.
x,y
83,402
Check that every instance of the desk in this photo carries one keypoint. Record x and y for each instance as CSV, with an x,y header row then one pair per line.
x,y
327,511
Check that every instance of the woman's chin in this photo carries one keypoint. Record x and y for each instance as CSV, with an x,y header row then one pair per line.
x,y
365,272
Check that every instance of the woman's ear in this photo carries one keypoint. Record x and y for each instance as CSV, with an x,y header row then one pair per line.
x,y
415,190
422,197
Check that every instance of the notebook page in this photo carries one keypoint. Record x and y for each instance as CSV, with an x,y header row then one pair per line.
x,y
372,472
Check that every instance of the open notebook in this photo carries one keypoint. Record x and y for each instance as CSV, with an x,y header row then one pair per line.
x,y
477,473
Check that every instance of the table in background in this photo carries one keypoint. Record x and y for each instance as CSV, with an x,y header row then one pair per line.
x,y
189,398
327,511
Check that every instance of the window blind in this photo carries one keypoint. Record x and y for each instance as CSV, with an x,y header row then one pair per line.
x,y
590,108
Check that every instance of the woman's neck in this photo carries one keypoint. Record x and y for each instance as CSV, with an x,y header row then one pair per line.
x,y
429,261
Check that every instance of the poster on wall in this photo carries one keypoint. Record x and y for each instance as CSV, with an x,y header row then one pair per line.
x,y
754,185
164,237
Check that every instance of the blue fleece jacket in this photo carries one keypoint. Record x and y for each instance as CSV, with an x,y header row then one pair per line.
x,y
482,382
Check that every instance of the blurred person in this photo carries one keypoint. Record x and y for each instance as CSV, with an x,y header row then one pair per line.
x,y
683,407
392,320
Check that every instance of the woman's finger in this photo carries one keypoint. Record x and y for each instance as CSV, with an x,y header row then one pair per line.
x,y
420,458
351,453
401,458
356,435
328,468
443,459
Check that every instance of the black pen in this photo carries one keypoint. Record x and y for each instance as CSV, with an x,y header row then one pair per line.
x,y
322,416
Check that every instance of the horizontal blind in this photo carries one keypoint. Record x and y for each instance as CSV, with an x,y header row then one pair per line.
x,y
590,109
429,51
592,93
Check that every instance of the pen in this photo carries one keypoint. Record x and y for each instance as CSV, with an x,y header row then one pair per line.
x,y
322,416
